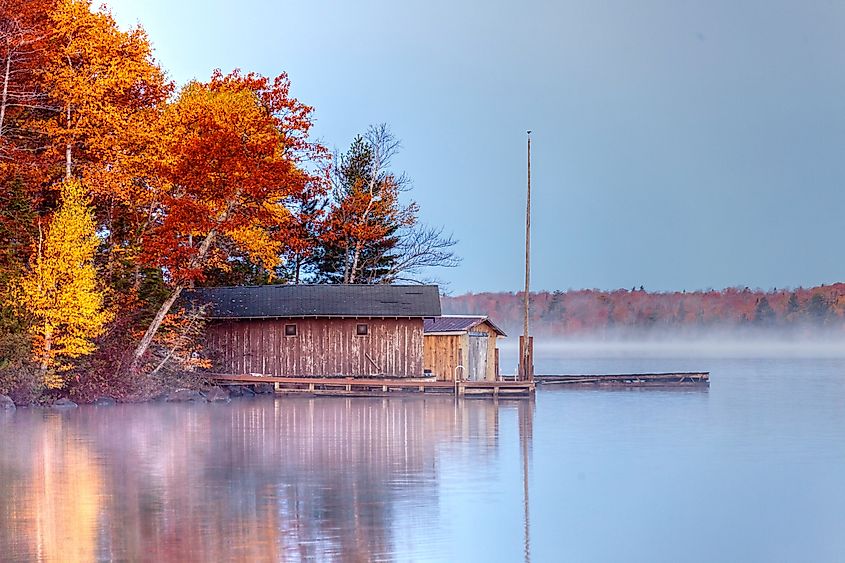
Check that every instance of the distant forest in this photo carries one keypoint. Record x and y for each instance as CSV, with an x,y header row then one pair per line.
x,y
636,311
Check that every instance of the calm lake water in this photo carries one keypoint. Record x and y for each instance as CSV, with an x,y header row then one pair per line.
x,y
752,469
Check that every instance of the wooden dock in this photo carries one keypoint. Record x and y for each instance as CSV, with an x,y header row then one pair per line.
x,y
670,379
381,387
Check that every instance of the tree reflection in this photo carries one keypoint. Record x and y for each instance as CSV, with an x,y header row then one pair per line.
x,y
284,479
52,492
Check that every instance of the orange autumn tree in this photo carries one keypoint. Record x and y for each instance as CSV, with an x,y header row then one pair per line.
x,y
23,37
107,92
24,33
234,157
103,84
60,292
79,98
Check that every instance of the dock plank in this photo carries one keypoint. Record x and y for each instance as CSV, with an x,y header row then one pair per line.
x,y
662,379
376,387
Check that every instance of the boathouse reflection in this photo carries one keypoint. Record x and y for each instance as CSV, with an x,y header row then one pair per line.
x,y
261,480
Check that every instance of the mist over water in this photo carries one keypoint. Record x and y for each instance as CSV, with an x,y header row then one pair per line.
x,y
704,344
747,470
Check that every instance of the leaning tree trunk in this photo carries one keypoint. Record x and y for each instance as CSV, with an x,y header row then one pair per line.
x,y
168,303
154,326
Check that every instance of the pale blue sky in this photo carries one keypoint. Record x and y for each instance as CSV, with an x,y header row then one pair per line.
x,y
677,144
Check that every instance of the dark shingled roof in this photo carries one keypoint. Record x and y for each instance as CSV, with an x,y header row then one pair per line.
x,y
251,302
457,323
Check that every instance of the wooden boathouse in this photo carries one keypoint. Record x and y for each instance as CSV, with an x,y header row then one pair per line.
x,y
365,340
465,345
318,330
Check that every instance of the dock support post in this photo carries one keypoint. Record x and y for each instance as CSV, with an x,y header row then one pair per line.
x,y
526,359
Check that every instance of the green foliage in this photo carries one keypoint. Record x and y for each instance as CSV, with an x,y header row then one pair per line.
x,y
763,312
818,309
361,237
792,305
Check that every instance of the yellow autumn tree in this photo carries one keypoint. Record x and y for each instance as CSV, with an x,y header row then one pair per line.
x,y
60,292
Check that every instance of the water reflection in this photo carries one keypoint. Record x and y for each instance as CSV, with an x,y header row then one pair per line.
x,y
526,436
272,480
56,510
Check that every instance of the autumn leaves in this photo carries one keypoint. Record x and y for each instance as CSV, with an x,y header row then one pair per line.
x,y
229,165
118,176
60,290
117,191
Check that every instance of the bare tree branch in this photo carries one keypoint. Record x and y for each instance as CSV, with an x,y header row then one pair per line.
x,y
421,247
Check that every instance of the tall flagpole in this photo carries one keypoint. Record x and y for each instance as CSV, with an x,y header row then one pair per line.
x,y
526,354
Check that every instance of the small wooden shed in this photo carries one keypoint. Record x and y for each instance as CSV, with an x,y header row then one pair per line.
x,y
318,330
462,344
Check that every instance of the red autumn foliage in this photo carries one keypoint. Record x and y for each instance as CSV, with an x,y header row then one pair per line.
x,y
590,311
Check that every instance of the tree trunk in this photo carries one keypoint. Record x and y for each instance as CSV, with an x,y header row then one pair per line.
x,y
154,326
136,277
48,331
48,347
5,92
165,307
346,262
355,258
68,159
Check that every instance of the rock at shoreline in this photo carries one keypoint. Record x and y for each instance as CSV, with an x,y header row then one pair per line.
x,y
239,391
185,396
264,388
6,403
217,395
64,403
104,401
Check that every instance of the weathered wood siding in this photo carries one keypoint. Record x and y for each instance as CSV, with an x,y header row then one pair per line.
x,y
441,353
492,338
321,347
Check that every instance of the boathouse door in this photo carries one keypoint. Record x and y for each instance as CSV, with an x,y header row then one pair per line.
x,y
477,356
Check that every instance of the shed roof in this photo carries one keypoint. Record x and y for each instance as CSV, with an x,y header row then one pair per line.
x,y
457,323
326,300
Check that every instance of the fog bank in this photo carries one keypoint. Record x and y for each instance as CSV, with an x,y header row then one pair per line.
x,y
716,345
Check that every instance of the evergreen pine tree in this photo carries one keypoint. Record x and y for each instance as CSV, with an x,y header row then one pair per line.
x,y
818,308
363,221
763,312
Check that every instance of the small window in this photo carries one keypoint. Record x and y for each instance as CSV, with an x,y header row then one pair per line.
x,y
290,330
362,330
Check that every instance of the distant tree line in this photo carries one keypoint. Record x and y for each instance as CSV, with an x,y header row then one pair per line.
x,y
561,313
